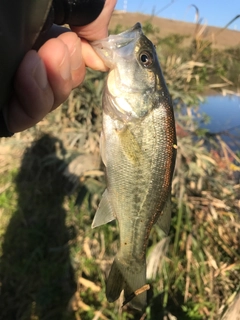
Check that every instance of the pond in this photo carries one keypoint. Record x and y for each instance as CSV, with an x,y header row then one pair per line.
x,y
224,113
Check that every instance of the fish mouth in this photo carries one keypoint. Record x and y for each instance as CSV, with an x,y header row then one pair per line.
x,y
116,46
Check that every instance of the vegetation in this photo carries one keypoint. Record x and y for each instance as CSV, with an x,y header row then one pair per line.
x,y
222,66
54,266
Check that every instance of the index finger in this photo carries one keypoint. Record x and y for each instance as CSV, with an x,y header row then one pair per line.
x,y
97,29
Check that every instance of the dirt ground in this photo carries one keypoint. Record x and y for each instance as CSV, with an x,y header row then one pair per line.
x,y
223,39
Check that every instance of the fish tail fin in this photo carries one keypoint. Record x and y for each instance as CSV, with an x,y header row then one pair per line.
x,y
128,278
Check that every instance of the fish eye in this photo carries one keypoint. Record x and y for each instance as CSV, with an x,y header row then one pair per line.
x,y
146,59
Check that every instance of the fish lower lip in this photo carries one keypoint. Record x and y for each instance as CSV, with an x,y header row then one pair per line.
x,y
120,40
109,49
136,28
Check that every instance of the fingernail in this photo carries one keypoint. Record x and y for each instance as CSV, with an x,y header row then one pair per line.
x,y
64,68
76,56
40,75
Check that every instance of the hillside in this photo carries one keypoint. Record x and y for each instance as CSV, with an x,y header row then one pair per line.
x,y
227,38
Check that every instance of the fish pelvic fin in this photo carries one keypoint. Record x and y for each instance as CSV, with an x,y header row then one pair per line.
x,y
104,212
127,277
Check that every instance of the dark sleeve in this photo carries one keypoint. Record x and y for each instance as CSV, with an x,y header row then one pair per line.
x,y
3,127
19,28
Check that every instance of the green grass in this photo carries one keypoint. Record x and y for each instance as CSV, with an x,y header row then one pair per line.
x,y
48,246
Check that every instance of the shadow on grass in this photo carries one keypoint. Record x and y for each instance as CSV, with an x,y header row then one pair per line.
x,y
37,280
173,309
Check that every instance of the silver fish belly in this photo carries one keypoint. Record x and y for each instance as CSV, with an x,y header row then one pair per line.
x,y
138,148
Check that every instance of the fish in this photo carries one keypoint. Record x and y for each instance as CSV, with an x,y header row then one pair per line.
x,y
138,149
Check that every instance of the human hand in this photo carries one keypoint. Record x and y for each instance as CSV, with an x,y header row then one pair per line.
x,y
45,78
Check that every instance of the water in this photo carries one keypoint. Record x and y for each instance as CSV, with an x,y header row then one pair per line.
x,y
224,113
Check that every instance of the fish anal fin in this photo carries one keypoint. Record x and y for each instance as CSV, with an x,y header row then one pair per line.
x,y
164,220
104,212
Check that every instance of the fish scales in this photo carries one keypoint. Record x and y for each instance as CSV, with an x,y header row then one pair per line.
x,y
138,148
127,181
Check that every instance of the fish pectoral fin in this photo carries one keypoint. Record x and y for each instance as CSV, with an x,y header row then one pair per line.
x,y
104,212
164,220
130,146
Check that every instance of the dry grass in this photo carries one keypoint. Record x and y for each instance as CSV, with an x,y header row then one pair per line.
x,y
54,266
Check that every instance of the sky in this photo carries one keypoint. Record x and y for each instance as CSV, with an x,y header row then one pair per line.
x,y
213,12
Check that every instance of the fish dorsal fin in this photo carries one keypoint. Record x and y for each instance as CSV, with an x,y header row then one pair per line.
x,y
104,212
164,220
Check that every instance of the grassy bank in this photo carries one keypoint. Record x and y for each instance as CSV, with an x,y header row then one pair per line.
x,y
54,266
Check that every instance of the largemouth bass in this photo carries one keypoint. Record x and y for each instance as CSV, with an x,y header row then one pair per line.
x,y
138,149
